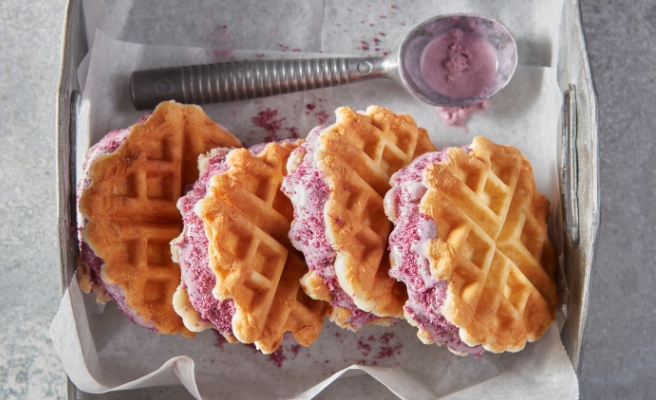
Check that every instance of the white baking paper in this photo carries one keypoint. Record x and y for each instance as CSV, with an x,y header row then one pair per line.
x,y
102,350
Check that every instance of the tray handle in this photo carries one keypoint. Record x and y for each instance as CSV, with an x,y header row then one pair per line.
x,y
569,167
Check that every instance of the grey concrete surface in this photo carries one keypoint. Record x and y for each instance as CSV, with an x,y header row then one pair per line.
x,y
30,47
620,348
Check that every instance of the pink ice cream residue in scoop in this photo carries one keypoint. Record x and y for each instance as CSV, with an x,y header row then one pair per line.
x,y
459,64
306,186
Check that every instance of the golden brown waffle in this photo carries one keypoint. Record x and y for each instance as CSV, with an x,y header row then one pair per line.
x,y
357,156
492,246
131,212
247,219
424,144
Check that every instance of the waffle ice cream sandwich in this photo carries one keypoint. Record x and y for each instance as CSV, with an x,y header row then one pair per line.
x,y
127,215
336,182
240,272
193,299
470,243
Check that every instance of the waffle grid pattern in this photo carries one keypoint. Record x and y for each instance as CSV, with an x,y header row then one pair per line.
x,y
357,156
492,246
247,219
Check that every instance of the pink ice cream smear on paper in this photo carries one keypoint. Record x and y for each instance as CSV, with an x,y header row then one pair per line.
x,y
457,116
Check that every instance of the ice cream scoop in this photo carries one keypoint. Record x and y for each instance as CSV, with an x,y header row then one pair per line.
x,y
448,61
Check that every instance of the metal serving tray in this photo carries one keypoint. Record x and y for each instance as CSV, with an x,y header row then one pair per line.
x,y
578,161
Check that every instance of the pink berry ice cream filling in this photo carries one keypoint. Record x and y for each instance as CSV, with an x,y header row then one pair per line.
x,y
308,190
193,256
407,243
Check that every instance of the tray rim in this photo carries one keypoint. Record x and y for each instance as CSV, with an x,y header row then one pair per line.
x,y
74,47
575,350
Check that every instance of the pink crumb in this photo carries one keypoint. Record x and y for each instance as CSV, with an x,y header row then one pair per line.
x,y
144,117
293,132
221,42
267,120
385,339
295,349
366,349
388,351
287,48
220,340
277,357
322,116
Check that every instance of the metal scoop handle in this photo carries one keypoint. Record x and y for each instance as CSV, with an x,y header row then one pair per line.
x,y
233,81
